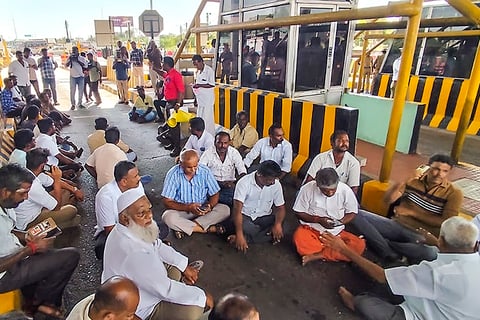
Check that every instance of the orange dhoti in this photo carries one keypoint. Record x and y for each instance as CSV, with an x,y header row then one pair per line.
x,y
307,241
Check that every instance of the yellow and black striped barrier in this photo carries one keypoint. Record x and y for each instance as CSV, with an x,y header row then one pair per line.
x,y
306,125
6,140
443,97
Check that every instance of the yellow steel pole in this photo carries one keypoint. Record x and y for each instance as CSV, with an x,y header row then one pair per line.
x,y
467,108
426,23
468,9
448,34
189,30
396,9
362,64
401,91
376,46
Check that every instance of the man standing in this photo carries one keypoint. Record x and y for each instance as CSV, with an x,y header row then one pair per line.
x,y
133,250
243,135
396,70
325,204
422,202
19,68
32,69
40,271
338,158
143,109
100,164
204,94
47,70
174,92
126,178
77,64
136,58
200,140
226,59
253,216
116,298
274,147
377,66
95,77
121,66
249,70
190,194
154,57
41,205
444,289
224,161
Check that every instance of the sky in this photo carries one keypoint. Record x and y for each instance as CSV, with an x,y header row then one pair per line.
x,y
46,19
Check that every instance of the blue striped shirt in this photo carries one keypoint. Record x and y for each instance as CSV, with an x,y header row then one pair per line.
x,y
177,187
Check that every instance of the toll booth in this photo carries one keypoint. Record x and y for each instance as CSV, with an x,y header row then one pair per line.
x,y
305,62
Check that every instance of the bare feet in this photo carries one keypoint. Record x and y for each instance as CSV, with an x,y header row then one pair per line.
x,y
311,257
231,239
347,298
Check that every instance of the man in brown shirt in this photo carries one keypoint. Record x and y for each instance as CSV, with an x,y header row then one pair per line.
x,y
422,202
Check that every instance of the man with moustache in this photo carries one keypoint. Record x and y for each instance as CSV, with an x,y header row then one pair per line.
x,y
133,250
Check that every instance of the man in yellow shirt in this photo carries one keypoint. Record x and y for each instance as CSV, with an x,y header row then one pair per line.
x,y
243,135
143,110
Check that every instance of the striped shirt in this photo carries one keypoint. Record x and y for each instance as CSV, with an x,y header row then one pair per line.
x,y
136,57
7,101
177,187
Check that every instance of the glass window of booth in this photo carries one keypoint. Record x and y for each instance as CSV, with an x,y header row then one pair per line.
x,y
229,5
250,3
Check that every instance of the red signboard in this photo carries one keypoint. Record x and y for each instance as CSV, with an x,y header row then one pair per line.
x,y
121,21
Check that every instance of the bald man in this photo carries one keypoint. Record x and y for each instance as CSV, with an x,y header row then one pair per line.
x,y
191,194
117,298
133,250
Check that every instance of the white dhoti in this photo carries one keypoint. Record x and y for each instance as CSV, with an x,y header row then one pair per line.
x,y
205,101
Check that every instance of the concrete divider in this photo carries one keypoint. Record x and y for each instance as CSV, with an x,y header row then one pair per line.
x,y
307,125
443,97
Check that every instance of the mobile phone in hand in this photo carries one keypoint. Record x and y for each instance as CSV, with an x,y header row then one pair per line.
x,y
203,207
335,222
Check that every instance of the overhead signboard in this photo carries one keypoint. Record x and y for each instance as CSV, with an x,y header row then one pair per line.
x,y
103,32
121,21
151,23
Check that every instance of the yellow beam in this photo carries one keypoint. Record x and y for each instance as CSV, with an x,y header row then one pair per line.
x,y
376,46
426,23
467,108
468,9
396,9
448,34
401,91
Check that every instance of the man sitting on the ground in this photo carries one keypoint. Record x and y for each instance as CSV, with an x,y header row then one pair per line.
x,y
338,158
102,161
24,142
32,116
41,205
253,217
244,136
274,147
126,178
190,195
40,271
133,250
422,202
200,139
443,289
223,160
46,139
97,139
116,298
326,204
233,306
143,110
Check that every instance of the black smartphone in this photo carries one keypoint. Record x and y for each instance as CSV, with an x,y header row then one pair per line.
x,y
335,222
203,207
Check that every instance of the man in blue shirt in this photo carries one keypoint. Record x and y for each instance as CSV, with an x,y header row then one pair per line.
x,y
121,66
9,107
190,194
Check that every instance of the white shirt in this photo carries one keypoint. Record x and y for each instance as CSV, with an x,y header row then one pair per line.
x,y
21,71
281,154
48,142
104,159
348,170
106,205
31,70
444,289
396,68
9,243
19,157
257,202
76,70
312,201
206,97
224,171
38,198
200,144
81,309
128,256
476,221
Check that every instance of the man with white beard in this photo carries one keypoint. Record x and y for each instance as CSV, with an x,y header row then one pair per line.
x,y
133,250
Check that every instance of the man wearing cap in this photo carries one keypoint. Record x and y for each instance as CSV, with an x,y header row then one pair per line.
x,y
19,68
133,250
325,204
47,68
190,194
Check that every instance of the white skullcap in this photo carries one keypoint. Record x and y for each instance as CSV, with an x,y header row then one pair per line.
x,y
129,197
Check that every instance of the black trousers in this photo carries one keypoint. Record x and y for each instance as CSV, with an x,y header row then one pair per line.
x,y
43,276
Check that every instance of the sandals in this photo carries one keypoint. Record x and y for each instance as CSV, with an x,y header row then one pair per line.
x,y
179,234
219,229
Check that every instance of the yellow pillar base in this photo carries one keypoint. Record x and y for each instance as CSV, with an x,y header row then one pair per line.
x,y
10,301
372,197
